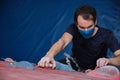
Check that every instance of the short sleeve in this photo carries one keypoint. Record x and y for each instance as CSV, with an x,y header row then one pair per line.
x,y
112,42
71,29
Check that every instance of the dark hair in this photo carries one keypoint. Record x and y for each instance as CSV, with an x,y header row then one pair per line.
x,y
85,11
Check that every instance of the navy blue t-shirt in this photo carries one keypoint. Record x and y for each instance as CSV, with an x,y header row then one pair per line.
x,y
87,51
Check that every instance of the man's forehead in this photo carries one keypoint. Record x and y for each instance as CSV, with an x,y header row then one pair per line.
x,y
84,23
81,17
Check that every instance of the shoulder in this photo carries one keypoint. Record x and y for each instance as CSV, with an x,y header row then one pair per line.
x,y
72,29
105,32
72,26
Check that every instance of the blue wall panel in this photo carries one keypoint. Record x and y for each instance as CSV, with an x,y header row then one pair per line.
x,y
28,28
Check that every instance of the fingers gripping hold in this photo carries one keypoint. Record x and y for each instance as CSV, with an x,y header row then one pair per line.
x,y
102,62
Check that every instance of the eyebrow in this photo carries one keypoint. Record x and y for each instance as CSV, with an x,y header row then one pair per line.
x,y
87,27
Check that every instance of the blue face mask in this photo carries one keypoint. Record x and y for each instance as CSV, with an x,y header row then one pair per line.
x,y
87,33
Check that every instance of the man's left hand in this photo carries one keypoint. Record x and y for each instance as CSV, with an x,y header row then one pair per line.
x,y
102,62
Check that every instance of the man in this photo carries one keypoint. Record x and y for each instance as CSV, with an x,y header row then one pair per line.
x,y
90,43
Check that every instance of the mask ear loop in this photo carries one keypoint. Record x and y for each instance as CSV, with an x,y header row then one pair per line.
x,y
95,22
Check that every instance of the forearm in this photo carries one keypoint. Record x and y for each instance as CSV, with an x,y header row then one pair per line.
x,y
56,48
115,61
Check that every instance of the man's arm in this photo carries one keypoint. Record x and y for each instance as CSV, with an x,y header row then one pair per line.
x,y
60,44
115,60
54,50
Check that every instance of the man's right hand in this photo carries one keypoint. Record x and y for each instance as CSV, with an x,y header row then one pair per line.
x,y
47,62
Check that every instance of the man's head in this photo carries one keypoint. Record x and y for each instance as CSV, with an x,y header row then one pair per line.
x,y
87,12
85,19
